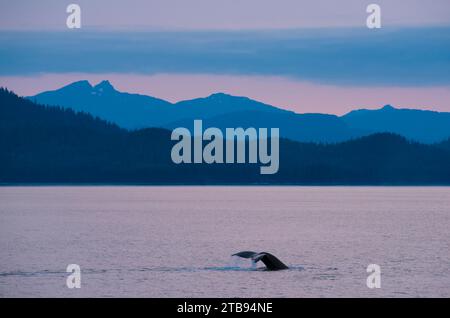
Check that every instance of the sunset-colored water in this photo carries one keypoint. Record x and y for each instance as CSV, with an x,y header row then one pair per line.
x,y
177,241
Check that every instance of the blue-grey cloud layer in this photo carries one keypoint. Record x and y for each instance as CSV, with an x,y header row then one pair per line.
x,y
399,57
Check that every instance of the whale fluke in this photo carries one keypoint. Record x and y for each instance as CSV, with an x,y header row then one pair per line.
x,y
272,263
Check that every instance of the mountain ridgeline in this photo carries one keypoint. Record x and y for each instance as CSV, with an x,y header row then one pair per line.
x,y
42,144
134,111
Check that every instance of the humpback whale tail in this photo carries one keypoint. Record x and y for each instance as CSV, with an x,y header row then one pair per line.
x,y
272,263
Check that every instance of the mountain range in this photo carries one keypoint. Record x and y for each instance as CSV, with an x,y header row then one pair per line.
x,y
43,144
135,111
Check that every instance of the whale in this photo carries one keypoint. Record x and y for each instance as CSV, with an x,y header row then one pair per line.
x,y
272,262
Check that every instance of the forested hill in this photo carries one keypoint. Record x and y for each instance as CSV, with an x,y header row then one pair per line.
x,y
41,144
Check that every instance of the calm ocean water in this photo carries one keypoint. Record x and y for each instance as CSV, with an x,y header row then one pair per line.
x,y
177,241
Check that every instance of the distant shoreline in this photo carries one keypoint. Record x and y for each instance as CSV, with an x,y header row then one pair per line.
x,y
54,146
101,184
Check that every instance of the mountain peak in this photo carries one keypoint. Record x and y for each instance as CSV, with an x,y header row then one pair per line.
x,y
104,86
219,95
388,107
84,84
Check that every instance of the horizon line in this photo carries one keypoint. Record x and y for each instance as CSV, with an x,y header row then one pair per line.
x,y
380,107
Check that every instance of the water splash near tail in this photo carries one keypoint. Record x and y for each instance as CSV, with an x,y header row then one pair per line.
x,y
241,263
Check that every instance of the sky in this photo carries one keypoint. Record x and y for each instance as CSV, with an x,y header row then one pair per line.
x,y
220,14
307,56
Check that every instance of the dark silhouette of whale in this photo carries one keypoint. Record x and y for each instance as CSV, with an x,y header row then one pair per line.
x,y
272,263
